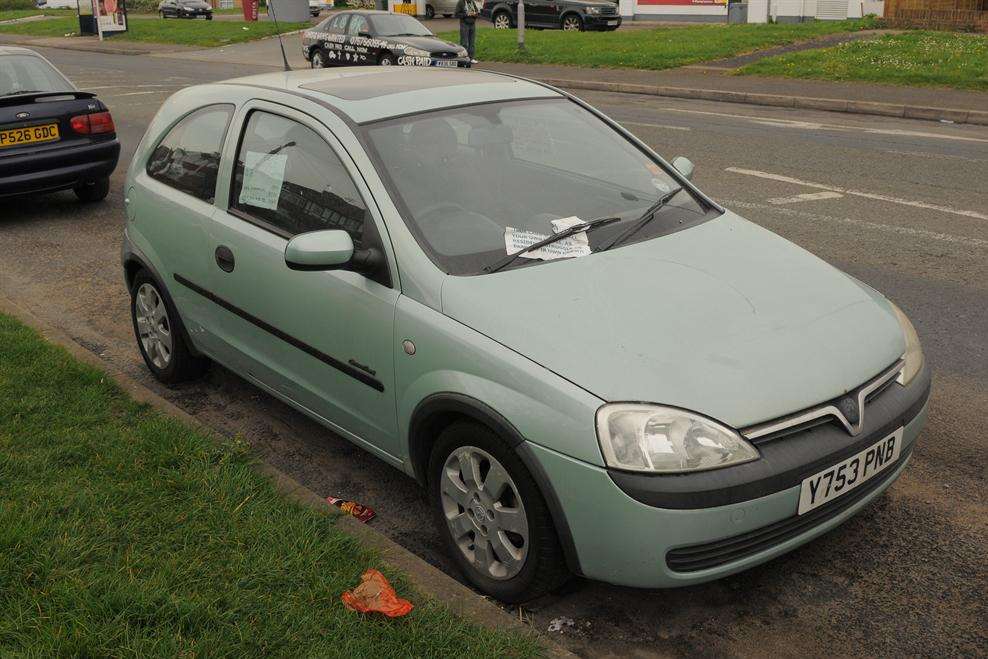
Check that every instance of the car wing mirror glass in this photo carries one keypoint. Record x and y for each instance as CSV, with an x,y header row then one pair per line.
x,y
684,166
319,250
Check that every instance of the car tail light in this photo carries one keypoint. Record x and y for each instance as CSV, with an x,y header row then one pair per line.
x,y
96,123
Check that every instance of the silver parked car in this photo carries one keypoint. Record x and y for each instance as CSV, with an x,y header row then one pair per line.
x,y
593,367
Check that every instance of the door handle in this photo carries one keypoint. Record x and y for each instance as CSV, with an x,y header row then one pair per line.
x,y
224,258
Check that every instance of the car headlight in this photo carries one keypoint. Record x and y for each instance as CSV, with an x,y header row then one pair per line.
x,y
592,10
656,439
416,52
913,356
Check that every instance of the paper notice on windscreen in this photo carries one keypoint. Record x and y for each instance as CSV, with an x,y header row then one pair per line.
x,y
516,240
264,174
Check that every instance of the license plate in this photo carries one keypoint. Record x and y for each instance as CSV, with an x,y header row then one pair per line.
x,y
612,22
843,477
452,64
29,135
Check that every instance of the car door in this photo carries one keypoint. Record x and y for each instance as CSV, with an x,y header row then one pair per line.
x,y
175,193
322,340
358,25
541,12
334,37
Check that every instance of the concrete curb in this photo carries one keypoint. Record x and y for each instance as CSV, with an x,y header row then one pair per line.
x,y
957,116
425,578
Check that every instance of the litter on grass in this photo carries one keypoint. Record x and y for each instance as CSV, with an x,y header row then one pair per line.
x,y
558,624
362,513
375,595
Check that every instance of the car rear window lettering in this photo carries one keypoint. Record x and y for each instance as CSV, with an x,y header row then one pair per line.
x,y
289,178
188,157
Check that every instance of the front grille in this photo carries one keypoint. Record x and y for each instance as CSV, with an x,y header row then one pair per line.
x,y
721,552
444,54
608,11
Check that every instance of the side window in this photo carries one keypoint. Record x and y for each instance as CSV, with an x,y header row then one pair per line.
x,y
357,25
188,158
288,177
337,23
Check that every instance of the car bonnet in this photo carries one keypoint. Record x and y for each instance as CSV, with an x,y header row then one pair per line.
x,y
726,319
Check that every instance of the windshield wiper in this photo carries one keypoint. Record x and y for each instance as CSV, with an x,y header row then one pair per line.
x,y
565,233
643,219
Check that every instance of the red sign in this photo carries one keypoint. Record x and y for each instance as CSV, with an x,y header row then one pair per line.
x,y
250,10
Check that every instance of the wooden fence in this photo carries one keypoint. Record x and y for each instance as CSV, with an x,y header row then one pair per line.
x,y
968,15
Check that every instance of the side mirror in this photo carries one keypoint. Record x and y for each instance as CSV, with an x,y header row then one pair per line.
x,y
319,250
684,166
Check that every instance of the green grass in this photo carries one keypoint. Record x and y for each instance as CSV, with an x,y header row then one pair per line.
x,y
126,533
912,58
10,14
204,34
661,48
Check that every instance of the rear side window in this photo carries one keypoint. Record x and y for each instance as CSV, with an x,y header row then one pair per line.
x,y
291,180
188,158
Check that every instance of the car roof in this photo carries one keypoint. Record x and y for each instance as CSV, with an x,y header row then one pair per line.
x,y
372,93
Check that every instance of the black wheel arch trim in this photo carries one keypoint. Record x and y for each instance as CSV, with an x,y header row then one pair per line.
x,y
463,405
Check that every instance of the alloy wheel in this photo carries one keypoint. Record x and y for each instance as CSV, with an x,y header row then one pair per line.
x,y
571,23
317,61
484,512
502,22
153,326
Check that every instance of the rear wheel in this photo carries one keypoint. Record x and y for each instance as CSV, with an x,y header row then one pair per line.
x,y
318,60
492,515
430,12
572,22
159,333
502,20
91,191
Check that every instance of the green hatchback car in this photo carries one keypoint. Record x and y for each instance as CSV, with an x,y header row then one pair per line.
x,y
593,367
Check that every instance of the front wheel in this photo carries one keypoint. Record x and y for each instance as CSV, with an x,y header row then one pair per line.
x,y
430,12
502,21
163,15
492,515
387,59
572,22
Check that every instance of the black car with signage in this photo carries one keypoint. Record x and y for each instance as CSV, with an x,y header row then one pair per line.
x,y
52,136
371,38
185,9
553,14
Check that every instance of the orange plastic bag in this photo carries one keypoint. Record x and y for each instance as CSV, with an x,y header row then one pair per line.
x,y
375,594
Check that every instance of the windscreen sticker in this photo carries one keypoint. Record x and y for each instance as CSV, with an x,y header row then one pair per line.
x,y
264,174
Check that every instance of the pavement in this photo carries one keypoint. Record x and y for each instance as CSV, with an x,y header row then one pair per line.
x,y
908,214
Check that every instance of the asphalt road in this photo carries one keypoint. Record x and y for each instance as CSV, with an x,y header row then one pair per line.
x,y
902,205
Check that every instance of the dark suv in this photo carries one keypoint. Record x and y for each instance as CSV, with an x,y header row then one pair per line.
x,y
561,14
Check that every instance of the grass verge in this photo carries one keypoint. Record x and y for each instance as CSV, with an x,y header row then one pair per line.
x,y
204,34
913,58
11,14
661,48
125,533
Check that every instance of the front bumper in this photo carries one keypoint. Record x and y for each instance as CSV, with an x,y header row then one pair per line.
x,y
601,22
452,63
619,539
57,169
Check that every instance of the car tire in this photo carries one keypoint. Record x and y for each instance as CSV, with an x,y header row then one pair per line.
x,y
430,12
387,59
572,23
531,561
447,16
93,191
318,59
163,15
501,20
160,334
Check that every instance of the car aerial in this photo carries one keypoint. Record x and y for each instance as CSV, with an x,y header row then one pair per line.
x,y
591,366
553,14
369,38
52,136
185,9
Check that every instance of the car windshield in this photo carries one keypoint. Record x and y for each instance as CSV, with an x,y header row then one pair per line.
x,y
465,175
22,74
397,25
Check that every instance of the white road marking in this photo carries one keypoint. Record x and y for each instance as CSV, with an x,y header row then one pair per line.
x,y
943,156
130,94
861,224
642,123
806,196
858,193
810,125
128,86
